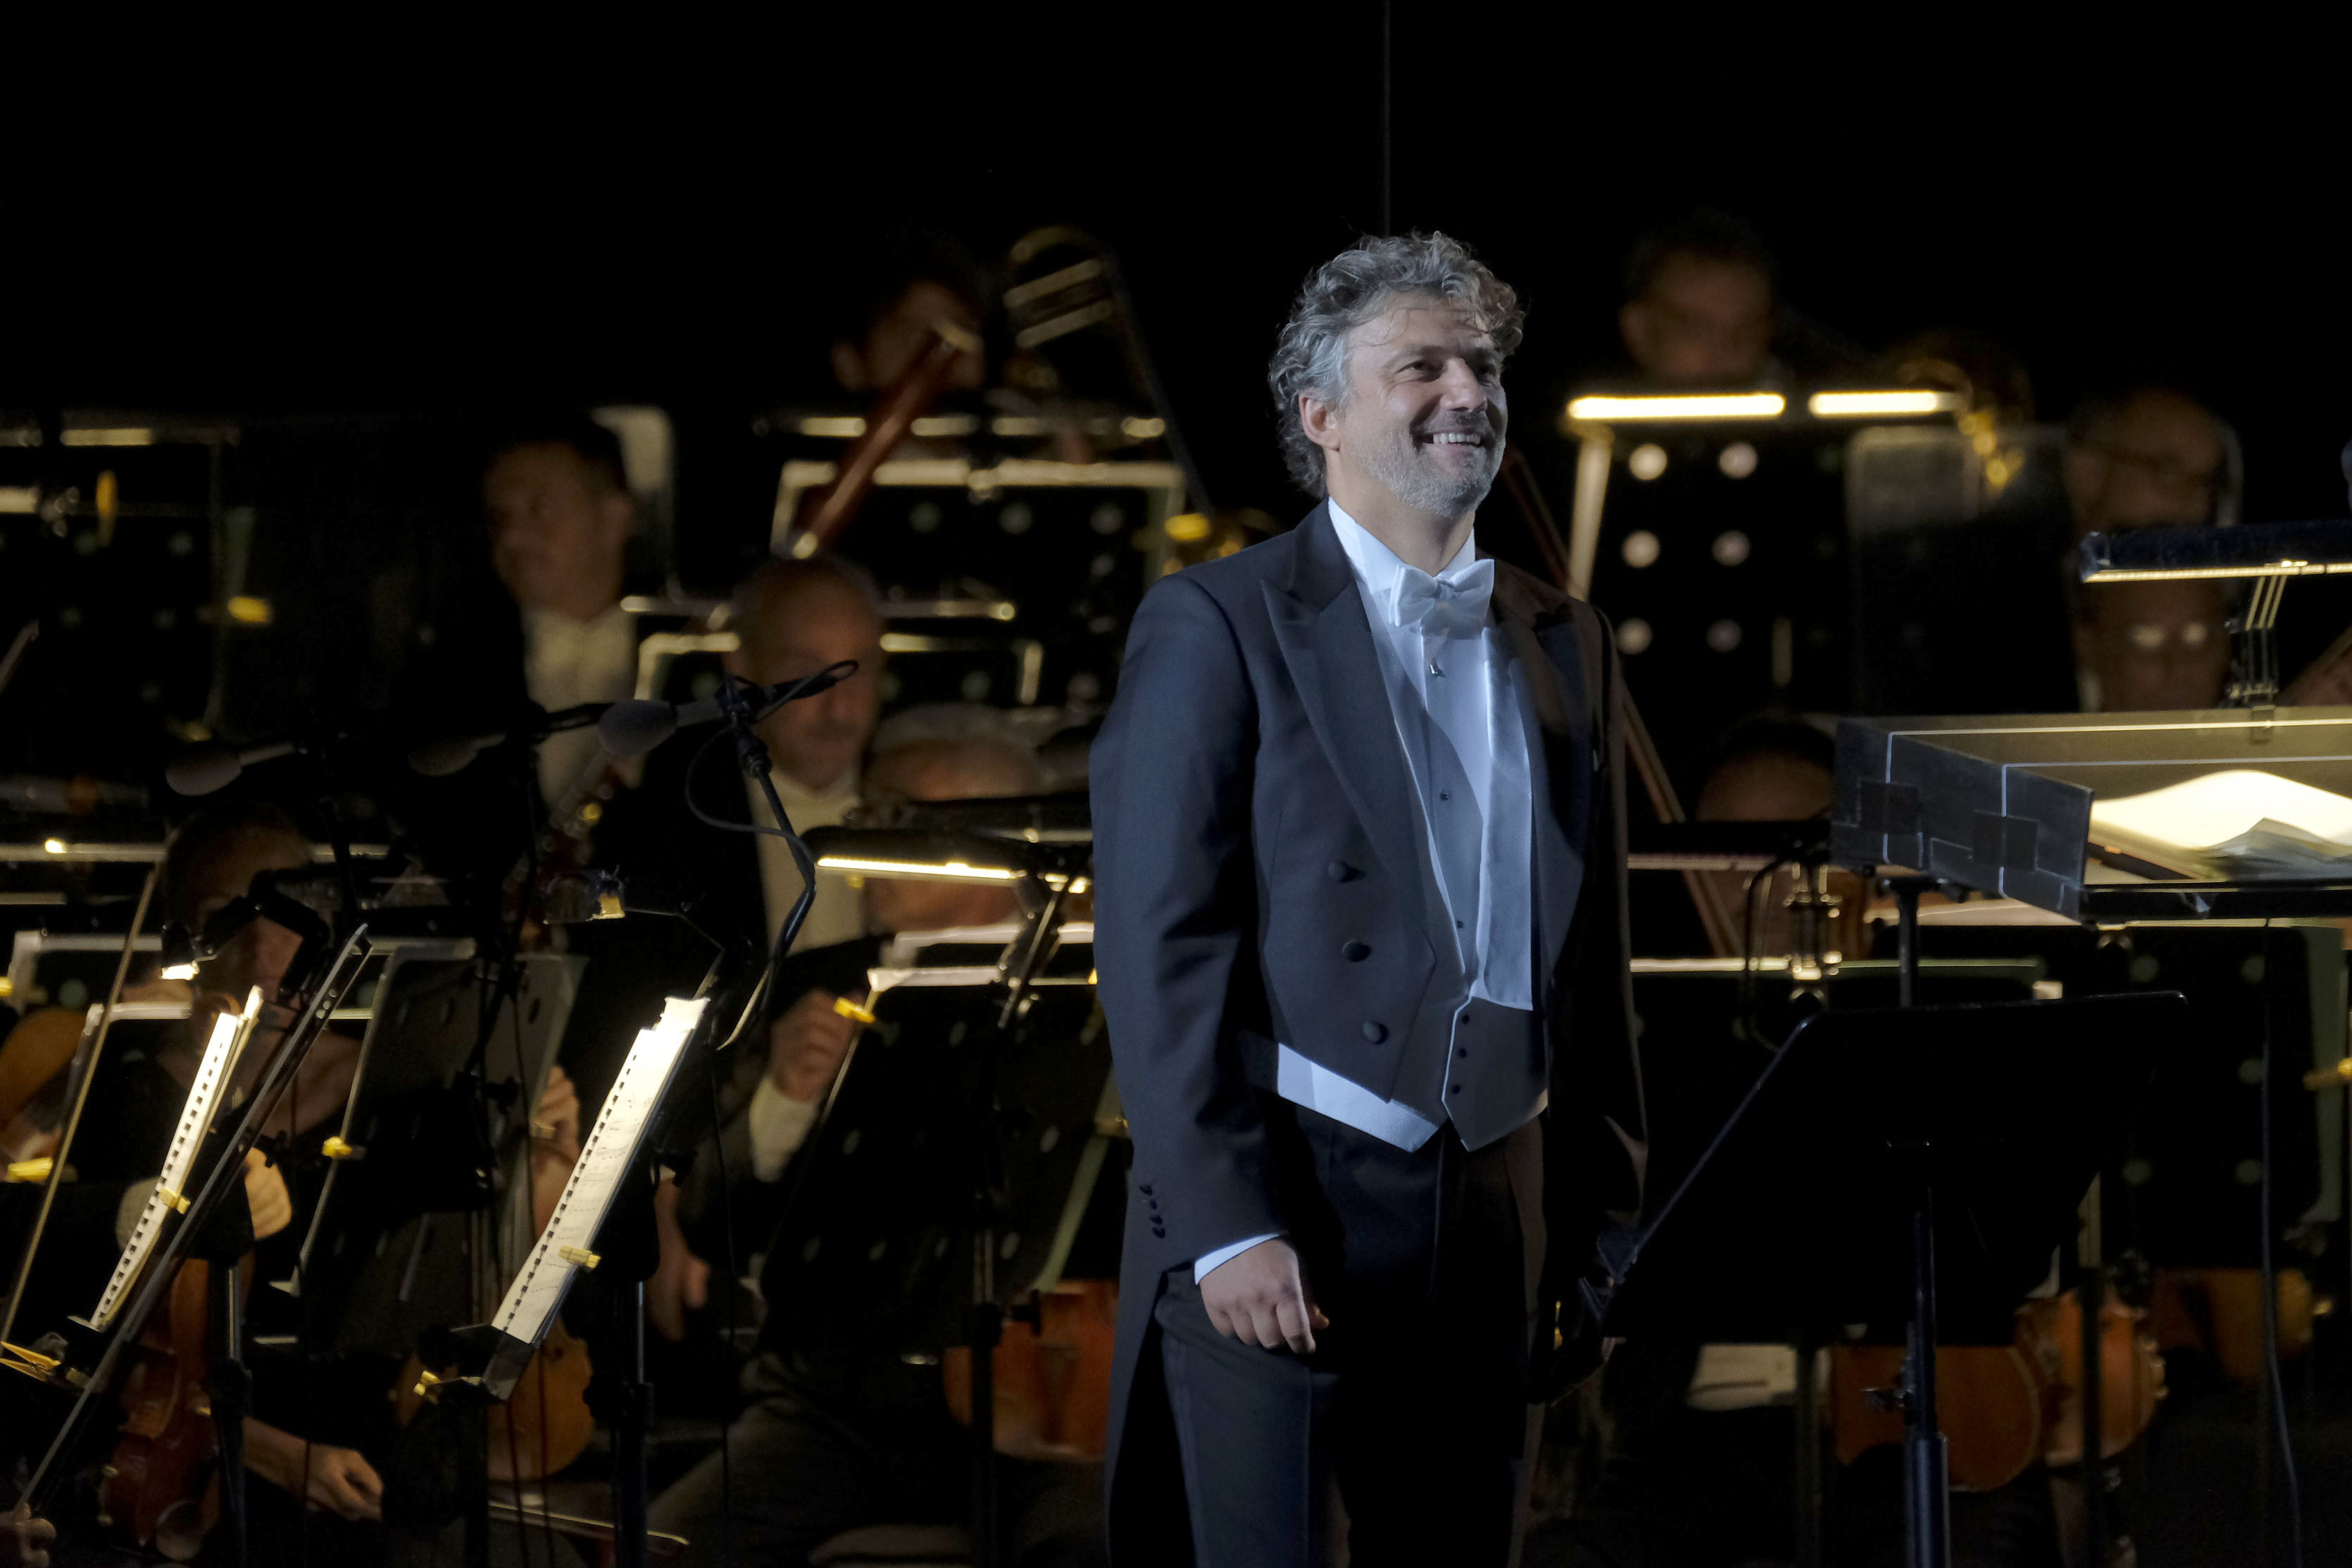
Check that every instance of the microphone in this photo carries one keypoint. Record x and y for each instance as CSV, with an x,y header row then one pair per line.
x,y
634,729
214,768
445,755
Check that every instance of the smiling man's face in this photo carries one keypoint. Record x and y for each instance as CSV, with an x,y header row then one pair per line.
x,y
1425,412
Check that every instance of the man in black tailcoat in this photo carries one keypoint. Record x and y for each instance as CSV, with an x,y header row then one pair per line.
x,y
1361,942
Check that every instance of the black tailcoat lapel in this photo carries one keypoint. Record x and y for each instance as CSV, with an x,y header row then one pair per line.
x,y
1562,741
1321,625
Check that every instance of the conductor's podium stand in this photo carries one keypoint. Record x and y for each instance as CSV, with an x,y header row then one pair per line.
x,y
2110,819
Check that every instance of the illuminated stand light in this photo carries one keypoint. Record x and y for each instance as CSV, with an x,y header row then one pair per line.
x,y
945,870
1878,404
1632,636
1738,460
1640,549
1912,403
1707,405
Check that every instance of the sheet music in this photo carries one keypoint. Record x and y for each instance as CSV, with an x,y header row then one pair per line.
x,y
230,1031
538,1292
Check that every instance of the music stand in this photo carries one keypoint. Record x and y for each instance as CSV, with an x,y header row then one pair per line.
x,y
1886,1167
383,1255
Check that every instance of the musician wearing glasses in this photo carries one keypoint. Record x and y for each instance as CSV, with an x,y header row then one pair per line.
x,y
1361,934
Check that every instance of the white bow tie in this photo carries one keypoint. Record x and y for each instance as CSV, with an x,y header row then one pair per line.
x,y
1453,605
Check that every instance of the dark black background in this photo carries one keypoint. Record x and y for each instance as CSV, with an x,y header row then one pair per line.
x,y
596,210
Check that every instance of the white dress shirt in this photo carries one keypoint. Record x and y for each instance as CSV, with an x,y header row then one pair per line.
x,y
838,915
1449,685
566,662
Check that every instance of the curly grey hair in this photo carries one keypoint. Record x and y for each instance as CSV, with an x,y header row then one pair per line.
x,y
1350,289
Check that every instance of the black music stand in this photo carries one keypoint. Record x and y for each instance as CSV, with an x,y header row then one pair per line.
x,y
1895,1165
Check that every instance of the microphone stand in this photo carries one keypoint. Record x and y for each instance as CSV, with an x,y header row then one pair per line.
x,y
634,1240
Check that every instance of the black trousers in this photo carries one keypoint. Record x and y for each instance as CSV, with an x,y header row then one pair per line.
x,y
1414,1401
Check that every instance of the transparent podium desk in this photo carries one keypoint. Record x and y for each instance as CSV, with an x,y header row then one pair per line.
x,y
2110,819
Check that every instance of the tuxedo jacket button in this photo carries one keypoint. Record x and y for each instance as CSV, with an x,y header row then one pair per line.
x,y
1376,1032
1356,951
1339,871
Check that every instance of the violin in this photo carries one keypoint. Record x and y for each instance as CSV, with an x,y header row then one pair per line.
x,y
543,1426
2000,1407
160,1489
1052,1370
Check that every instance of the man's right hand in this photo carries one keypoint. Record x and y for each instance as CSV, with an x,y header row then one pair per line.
x,y
806,1043
1259,1297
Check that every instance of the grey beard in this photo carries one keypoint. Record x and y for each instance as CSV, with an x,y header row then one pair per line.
x,y
1419,483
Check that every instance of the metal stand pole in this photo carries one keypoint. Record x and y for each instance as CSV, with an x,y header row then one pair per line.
x,y
1926,1477
636,1415
230,1391
1809,1454
1907,891
985,1327
1926,1494
2098,1548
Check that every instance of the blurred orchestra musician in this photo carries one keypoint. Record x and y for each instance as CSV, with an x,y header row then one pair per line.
x,y
1701,297
555,498
2149,456
685,829
795,618
839,1431
922,285
791,618
557,519
2145,647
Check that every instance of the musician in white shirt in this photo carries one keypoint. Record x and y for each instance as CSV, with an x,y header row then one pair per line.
x,y
560,515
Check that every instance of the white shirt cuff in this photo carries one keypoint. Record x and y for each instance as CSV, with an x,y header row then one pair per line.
x,y
1208,1260
778,1125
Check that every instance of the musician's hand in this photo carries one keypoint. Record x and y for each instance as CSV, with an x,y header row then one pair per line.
x,y
343,1481
25,1540
681,1281
806,1043
556,1121
1259,1297
340,1480
264,1193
